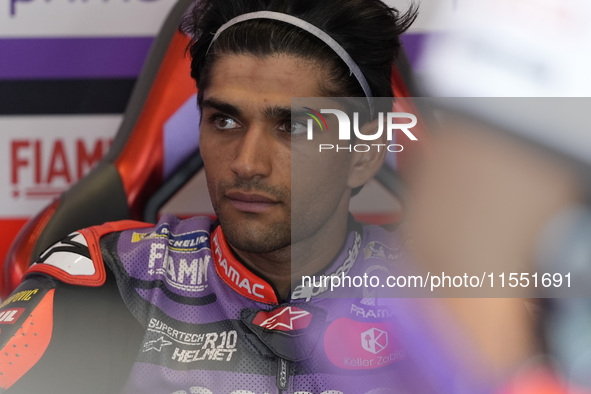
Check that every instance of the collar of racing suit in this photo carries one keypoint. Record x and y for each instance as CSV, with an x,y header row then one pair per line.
x,y
252,285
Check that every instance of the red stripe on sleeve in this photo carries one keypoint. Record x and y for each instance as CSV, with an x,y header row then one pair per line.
x,y
28,344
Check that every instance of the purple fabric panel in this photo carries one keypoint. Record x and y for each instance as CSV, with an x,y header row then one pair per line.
x,y
99,57
71,58
413,44
181,135
392,160
148,378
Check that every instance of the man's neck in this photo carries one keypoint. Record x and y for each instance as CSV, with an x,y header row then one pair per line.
x,y
284,267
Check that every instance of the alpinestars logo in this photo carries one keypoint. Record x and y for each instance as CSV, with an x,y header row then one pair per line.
x,y
157,344
374,340
71,255
288,318
73,243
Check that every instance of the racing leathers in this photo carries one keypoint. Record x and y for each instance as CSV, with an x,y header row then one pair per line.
x,y
136,308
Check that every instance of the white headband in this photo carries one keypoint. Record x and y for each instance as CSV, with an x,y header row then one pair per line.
x,y
292,20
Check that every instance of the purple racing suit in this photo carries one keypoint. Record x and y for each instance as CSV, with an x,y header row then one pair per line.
x,y
196,320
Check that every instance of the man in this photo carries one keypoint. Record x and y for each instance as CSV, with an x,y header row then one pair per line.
x,y
201,307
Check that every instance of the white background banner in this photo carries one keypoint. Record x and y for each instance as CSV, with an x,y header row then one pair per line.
x,y
44,155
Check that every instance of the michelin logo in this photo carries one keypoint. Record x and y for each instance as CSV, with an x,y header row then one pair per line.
x,y
188,242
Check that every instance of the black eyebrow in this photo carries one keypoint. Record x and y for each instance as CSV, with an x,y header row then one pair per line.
x,y
273,112
221,106
298,112
278,112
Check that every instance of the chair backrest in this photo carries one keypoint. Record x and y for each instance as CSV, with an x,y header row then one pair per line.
x,y
155,152
156,138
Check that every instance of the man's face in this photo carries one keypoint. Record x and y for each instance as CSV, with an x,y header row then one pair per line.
x,y
247,142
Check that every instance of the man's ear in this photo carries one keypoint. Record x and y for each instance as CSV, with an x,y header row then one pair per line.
x,y
366,164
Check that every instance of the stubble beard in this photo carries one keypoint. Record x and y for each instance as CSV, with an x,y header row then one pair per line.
x,y
253,236
260,239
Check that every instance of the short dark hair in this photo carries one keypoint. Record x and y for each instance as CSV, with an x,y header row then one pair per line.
x,y
368,30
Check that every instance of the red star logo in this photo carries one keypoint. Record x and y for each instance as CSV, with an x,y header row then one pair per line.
x,y
286,318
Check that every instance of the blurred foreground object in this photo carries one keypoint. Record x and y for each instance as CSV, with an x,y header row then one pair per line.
x,y
505,188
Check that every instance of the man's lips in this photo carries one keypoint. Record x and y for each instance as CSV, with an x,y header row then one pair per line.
x,y
250,202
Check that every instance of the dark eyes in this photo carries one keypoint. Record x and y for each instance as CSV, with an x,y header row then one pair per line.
x,y
292,127
224,122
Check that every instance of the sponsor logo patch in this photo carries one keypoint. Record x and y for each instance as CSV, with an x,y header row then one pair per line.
x,y
189,274
374,340
187,242
71,255
377,249
235,275
24,295
370,312
288,318
350,344
190,356
10,316
157,344
196,346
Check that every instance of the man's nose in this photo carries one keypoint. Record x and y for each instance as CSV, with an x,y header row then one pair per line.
x,y
253,156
